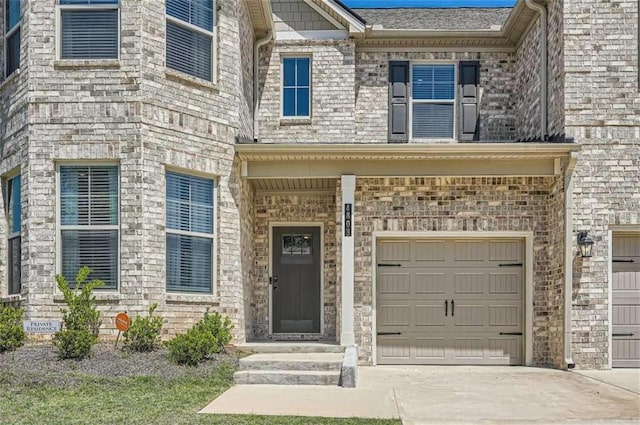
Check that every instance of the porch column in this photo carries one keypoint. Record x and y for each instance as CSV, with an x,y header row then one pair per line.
x,y
347,336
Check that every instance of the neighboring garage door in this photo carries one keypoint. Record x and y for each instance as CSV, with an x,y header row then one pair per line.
x,y
450,301
626,301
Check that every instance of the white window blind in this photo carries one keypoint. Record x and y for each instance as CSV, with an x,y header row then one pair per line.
x,y
89,29
190,37
433,100
14,222
190,233
89,218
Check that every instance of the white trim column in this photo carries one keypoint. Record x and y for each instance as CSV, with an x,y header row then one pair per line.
x,y
347,334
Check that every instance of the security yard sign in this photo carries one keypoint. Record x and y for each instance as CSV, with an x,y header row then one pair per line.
x,y
41,326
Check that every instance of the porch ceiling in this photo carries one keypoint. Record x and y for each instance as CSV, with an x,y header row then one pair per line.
x,y
309,161
269,185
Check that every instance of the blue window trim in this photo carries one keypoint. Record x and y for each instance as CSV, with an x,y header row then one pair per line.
x,y
297,88
11,33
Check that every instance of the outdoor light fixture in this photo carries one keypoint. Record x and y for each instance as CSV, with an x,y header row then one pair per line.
x,y
585,243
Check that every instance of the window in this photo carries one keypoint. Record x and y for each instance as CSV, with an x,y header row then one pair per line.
x,y
89,232
190,233
432,101
12,36
190,40
14,220
296,87
89,29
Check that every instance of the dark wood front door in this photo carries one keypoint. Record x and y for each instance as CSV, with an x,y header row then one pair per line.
x,y
295,280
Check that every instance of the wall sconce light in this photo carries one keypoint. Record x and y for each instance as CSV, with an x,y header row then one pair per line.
x,y
585,243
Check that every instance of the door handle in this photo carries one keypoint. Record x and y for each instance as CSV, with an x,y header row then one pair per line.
x,y
446,307
453,306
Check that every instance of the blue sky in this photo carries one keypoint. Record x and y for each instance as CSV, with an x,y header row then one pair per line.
x,y
428,3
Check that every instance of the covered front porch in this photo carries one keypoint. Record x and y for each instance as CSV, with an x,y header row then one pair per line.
x,y
320,212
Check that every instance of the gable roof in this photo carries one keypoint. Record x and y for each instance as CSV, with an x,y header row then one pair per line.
x,y
436,19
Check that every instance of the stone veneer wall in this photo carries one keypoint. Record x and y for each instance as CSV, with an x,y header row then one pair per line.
x,y
312,208
466,204
332,93
135,113
497,86
602,105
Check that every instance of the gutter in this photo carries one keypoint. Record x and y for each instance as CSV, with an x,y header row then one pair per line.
x,y
256,78
568,258
542,11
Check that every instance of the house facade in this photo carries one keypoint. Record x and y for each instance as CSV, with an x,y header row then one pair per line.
x,y
409,181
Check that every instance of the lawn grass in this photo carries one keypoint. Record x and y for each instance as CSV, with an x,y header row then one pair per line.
x,y
130,400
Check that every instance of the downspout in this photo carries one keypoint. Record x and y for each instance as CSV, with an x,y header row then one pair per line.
x,y
568,258
256,78
542,11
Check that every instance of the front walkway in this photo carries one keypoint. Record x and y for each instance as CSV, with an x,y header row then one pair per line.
x,y
431,394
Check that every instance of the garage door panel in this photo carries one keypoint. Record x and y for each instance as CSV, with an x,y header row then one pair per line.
x,y
429,251
429,283
395,283
430,348
470,251
626,301
395,315
429,315
394,349
506,283
470,283
505,315
509,250
394,251
511,348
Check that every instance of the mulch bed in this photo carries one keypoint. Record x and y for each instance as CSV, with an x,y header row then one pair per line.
x,y
37,363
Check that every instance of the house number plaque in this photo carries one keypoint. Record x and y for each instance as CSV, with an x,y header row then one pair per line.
x,y
348,208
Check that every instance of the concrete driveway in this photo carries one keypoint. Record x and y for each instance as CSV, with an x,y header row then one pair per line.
x,y
463,394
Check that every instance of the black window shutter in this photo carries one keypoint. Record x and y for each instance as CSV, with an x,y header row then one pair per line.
x,y
469,76
398,101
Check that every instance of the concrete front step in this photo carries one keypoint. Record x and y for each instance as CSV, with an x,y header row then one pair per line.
x,y
291,347
287,377
293,361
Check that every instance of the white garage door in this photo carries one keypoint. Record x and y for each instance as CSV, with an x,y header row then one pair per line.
x,y
626,301
450,301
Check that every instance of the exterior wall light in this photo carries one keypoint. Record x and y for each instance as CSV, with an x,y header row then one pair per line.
x,y
585,243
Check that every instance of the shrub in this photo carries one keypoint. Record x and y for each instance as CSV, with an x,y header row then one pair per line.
x,y
205,338
80,320
144,332
12,335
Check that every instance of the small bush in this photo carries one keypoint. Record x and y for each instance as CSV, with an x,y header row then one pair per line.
x,y
205,338
12,335
80,320
144,332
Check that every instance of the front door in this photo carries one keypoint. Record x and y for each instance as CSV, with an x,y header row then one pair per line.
x,y
295,279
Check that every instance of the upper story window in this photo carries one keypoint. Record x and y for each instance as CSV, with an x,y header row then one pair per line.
x,y
190,37
12,36
89,29
433,98
13,208
190,233
296,87
433,101
89,217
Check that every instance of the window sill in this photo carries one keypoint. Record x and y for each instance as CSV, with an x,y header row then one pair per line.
x,y
187,79
101,297
15,74
11,299
192,298
284,122
86,63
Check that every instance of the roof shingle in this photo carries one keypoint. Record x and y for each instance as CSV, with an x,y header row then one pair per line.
x,y
436,19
